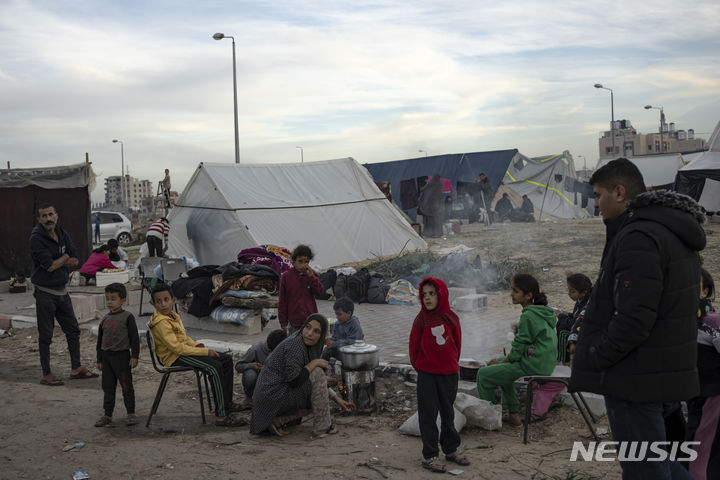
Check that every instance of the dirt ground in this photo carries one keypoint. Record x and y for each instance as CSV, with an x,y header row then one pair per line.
x,y
39,422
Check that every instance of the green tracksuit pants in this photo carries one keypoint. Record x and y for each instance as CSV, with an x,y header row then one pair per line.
x,y
504,376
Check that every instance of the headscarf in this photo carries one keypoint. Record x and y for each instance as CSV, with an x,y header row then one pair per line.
x,y
443,308
431,195
442,293
315,350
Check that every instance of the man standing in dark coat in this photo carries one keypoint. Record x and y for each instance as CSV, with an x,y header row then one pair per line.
x,y
53,255
638,342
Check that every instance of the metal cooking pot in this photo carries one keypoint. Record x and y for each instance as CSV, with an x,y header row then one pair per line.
x,y
360,356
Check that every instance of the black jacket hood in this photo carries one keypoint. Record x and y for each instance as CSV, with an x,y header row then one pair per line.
x,y
679,213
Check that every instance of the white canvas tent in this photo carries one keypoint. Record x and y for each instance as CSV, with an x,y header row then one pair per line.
x,y
700,178
657,170
334,206
551,184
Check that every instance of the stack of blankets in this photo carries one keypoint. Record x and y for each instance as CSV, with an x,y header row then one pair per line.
x,y
233,292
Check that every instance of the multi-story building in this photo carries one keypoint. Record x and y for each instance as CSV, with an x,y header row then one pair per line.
x,y
134,192
629,143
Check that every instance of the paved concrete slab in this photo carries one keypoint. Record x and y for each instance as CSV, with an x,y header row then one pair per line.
x,y
387,326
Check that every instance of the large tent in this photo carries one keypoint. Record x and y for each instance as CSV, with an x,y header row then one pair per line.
x,y
564,196
67,187
407,176
658,170
334,206
700,178
552,185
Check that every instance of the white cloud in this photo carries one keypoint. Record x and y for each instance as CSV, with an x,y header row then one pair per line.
x,y
374,81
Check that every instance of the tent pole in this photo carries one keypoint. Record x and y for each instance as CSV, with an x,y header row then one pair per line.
x,y
547,185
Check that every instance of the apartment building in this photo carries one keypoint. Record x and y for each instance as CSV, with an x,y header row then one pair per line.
x,y
630,143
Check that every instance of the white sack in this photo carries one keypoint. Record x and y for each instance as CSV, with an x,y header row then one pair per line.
x,y
479,413
412,425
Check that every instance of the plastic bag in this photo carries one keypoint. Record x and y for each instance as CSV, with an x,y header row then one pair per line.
x,y
412,424
479,413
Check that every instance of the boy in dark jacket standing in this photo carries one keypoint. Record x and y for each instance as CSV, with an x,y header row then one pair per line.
x,y
638,341
435,344
118,350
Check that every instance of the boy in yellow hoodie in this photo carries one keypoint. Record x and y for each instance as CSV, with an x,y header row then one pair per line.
x,y
174,348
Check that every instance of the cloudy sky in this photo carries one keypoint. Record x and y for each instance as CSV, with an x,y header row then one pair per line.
x,y
375,80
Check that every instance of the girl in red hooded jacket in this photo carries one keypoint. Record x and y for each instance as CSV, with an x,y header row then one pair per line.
x,y
435,342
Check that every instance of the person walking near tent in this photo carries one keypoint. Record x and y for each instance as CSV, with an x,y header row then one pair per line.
x,y
638,343
157,238
430,205
484,195
96,228
165,184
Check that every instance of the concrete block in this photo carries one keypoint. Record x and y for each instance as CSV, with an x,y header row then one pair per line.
x,y
85,306
252,326
470,303
595,402
220,346
21,321
455,292
5,321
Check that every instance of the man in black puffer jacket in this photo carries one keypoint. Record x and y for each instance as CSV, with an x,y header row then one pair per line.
x,y
638,342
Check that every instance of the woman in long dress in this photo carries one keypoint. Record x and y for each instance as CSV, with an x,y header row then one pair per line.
x,y
430,204
292,382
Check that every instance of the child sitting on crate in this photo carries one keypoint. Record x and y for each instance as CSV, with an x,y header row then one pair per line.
x,y
346,330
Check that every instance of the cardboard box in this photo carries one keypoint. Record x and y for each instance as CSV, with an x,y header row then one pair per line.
x,y
103,279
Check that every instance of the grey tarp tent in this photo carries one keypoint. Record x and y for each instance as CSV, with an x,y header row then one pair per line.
x,y
700,178
551,184
405,175
334,206
22,190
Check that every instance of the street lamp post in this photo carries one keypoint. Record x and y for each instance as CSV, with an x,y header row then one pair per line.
x,y
423,151
302,155
122,173
584,166
612,115
662,126
220,36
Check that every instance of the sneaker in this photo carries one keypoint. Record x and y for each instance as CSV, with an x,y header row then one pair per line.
x,y
103,421
131,420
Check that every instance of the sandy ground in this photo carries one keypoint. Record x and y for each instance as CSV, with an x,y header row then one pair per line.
x,y
38,422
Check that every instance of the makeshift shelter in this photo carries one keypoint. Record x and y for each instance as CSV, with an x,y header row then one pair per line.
x,y
406,177
22,190
551,184
700,178
334,206
658,171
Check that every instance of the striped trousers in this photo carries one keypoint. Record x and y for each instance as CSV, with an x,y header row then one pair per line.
x,y
220,372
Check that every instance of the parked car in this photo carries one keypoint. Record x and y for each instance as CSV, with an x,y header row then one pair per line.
x,y
112,225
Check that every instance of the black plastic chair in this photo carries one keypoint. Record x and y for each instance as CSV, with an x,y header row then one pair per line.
x,y
147,273
166,371
576,396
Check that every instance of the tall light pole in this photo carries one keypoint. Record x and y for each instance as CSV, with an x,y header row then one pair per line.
x,y
302,159
122,173
612,115
423,151
662,125
584,166
220,36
